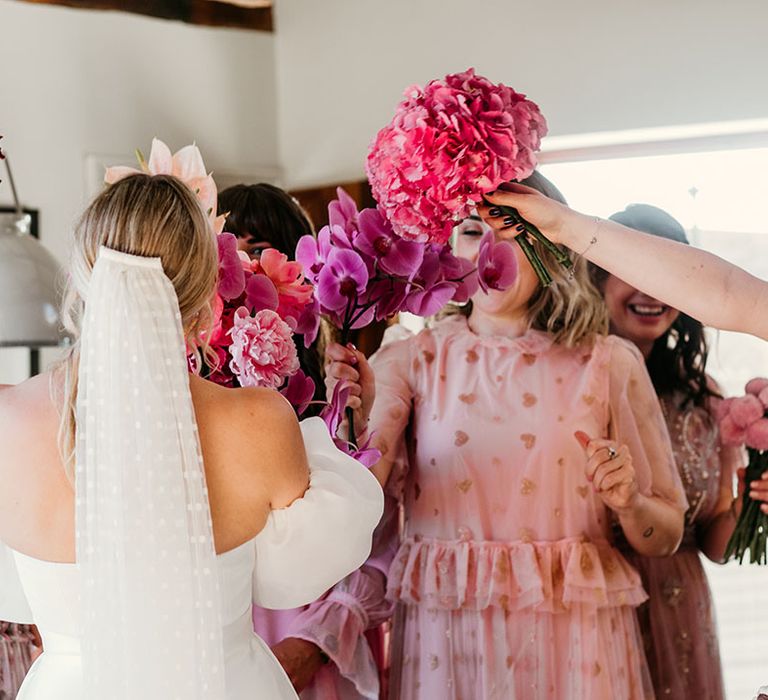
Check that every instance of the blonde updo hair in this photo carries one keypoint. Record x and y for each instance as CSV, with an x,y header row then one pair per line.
x,y
150,216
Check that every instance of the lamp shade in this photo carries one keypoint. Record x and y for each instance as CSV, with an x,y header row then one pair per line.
x,y
29,300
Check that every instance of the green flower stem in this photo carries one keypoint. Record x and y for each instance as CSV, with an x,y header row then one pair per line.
x,y
751,531
560,255
534,259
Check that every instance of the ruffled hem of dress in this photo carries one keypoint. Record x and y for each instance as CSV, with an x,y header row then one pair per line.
x,y
546,576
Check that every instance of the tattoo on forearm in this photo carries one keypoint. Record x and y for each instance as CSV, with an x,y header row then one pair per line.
x,y
648,532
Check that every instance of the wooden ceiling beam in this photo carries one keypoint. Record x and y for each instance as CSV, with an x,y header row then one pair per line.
x,y
201,12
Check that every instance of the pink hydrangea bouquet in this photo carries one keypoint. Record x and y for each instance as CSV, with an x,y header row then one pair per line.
x,y
449,143
744,422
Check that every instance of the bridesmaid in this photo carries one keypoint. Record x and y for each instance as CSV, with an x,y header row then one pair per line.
x,y
507,581
19,647
678,622
322,647
263,216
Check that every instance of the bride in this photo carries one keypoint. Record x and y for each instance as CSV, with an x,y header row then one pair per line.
x,y
143,509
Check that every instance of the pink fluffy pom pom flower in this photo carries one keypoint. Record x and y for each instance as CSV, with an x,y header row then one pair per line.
x,y
449,143
743,422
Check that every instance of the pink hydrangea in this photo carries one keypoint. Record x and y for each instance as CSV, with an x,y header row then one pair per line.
x,y
263,352
757,435
448,143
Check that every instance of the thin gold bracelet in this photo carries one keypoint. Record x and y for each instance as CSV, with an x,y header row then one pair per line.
x,y
593,240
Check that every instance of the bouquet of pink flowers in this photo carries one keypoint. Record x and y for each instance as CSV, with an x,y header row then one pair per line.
x,y
259,307
448,144
744,422
363,271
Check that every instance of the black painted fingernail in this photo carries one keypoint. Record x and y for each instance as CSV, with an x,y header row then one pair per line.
x,y
520,228
495,211
509,221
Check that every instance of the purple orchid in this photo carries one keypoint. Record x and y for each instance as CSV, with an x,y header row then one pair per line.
x,y
342,213
342,280
496,264
332,414
231,273
308,324
462,272
299,391
429,291
376,239
312,253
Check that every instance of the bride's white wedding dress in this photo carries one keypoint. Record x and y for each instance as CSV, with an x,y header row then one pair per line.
x,y
303,550
149,612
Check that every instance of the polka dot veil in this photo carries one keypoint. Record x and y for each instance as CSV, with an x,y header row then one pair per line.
x,y
151,602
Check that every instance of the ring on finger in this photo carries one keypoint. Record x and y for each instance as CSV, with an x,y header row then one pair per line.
x,y
612,452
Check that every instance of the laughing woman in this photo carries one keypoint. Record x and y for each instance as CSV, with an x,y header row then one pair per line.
x,y
507,580
678,621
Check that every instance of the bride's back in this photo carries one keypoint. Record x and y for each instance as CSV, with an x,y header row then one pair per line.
x,y
252,452
244,434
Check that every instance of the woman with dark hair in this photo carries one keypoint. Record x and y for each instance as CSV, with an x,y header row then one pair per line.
x,y
678,620
321,646
263,216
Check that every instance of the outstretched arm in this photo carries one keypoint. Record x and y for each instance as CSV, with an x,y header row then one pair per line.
x,y
698,283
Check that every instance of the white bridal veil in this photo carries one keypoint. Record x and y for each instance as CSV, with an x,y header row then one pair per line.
x,y
151,604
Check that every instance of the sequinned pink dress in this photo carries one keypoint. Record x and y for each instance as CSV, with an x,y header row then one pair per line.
x,y
507,582
678,621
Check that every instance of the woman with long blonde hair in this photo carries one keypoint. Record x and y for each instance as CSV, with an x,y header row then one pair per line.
x,y
513,436
157,506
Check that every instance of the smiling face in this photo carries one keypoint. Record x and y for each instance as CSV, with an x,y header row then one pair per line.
x,y
636,316
495,303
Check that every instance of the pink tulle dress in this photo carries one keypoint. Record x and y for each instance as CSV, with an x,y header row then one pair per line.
x,y
678,621
507,581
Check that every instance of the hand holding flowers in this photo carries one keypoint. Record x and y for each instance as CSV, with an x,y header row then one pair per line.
x,y
744,422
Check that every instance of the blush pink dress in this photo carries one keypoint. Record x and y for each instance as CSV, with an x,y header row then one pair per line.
x,y
507,582
678,621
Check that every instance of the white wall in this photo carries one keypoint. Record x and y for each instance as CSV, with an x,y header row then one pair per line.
x,y
593,65
75,82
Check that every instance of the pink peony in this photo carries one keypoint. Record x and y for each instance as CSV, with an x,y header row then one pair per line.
x,y
731,434
448,143
757,435
756,385
263,353
745,410
763,396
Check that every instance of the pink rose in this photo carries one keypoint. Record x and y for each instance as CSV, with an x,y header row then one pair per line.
x,y
757,435
263,352
745,410
731,434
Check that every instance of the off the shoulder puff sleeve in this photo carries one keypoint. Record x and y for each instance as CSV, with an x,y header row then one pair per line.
x,y
315,542
636,419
